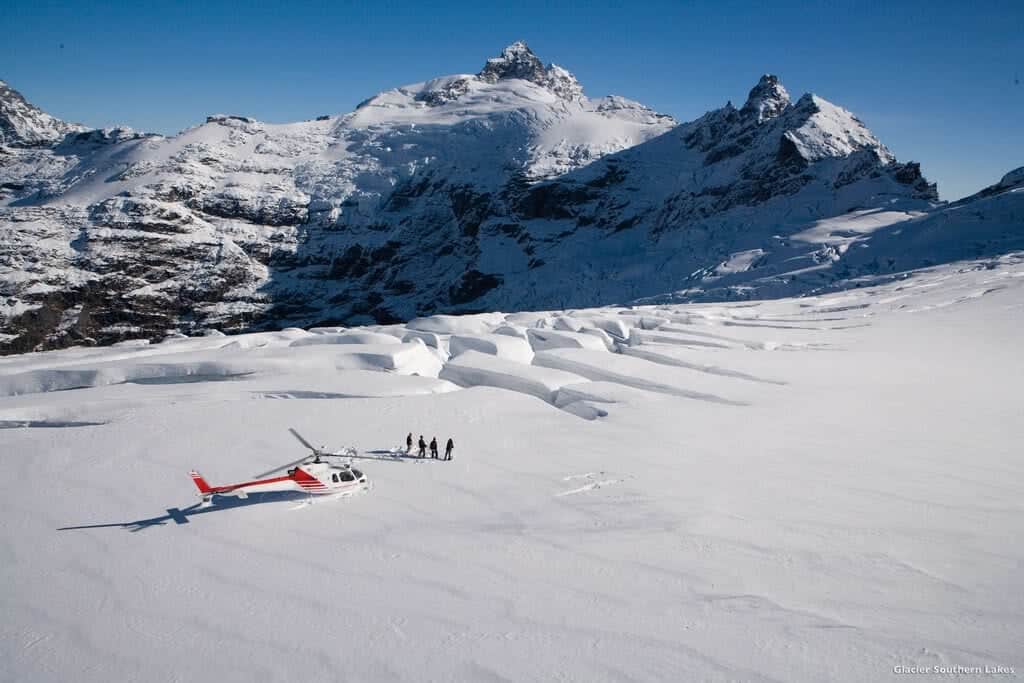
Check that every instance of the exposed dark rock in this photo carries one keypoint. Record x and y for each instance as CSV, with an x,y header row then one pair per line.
x,y
450,92
515,61
767,99
553,200
472,286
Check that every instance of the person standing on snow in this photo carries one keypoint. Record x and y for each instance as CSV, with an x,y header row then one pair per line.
x,y
408,444
423,447
448,448
433,448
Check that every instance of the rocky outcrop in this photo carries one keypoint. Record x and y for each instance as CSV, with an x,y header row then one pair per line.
x,y
518,61
766,100
515,61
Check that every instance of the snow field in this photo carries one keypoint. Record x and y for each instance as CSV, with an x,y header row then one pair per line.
x,y
848,503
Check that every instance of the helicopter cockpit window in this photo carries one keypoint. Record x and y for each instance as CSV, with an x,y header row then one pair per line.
x,y
347,476
334,478
357,474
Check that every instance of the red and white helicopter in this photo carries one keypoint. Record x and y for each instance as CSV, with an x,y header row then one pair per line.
x,y
309,475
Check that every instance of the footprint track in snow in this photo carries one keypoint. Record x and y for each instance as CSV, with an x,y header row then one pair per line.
x,y
588,475
594,483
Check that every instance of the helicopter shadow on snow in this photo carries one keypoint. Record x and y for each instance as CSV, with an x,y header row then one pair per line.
x,y
181,515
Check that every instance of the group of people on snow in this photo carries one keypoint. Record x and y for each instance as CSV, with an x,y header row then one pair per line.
x,y
449,447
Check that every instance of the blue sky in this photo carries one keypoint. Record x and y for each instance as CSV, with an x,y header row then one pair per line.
x,y
934,80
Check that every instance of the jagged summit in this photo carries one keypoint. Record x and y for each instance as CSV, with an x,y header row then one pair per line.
x,y
22,124
518,61
767,99
515,61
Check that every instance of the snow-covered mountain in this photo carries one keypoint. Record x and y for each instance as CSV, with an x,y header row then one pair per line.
x,y
507,189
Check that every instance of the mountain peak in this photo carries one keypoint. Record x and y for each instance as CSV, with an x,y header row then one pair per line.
x,y
517,48
767,99
24,124
518,61
515,61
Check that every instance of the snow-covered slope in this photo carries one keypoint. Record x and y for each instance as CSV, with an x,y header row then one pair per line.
x,y
867,246
824,488
508,189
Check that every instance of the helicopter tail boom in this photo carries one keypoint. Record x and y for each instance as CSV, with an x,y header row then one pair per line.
x,y
242,489
201,484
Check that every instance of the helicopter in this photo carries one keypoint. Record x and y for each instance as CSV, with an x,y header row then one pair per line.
x,y
309,474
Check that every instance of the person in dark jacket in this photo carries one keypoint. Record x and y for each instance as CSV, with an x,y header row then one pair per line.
x,y
423,447
448,448
408,444
433,448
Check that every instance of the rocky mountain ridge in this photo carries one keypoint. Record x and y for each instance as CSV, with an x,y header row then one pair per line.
x,y
22,124
507,189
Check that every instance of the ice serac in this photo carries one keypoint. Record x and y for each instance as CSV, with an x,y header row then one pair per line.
x,y
508,189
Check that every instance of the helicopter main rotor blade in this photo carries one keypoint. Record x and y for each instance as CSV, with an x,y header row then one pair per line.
x,y
302,441
282,467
